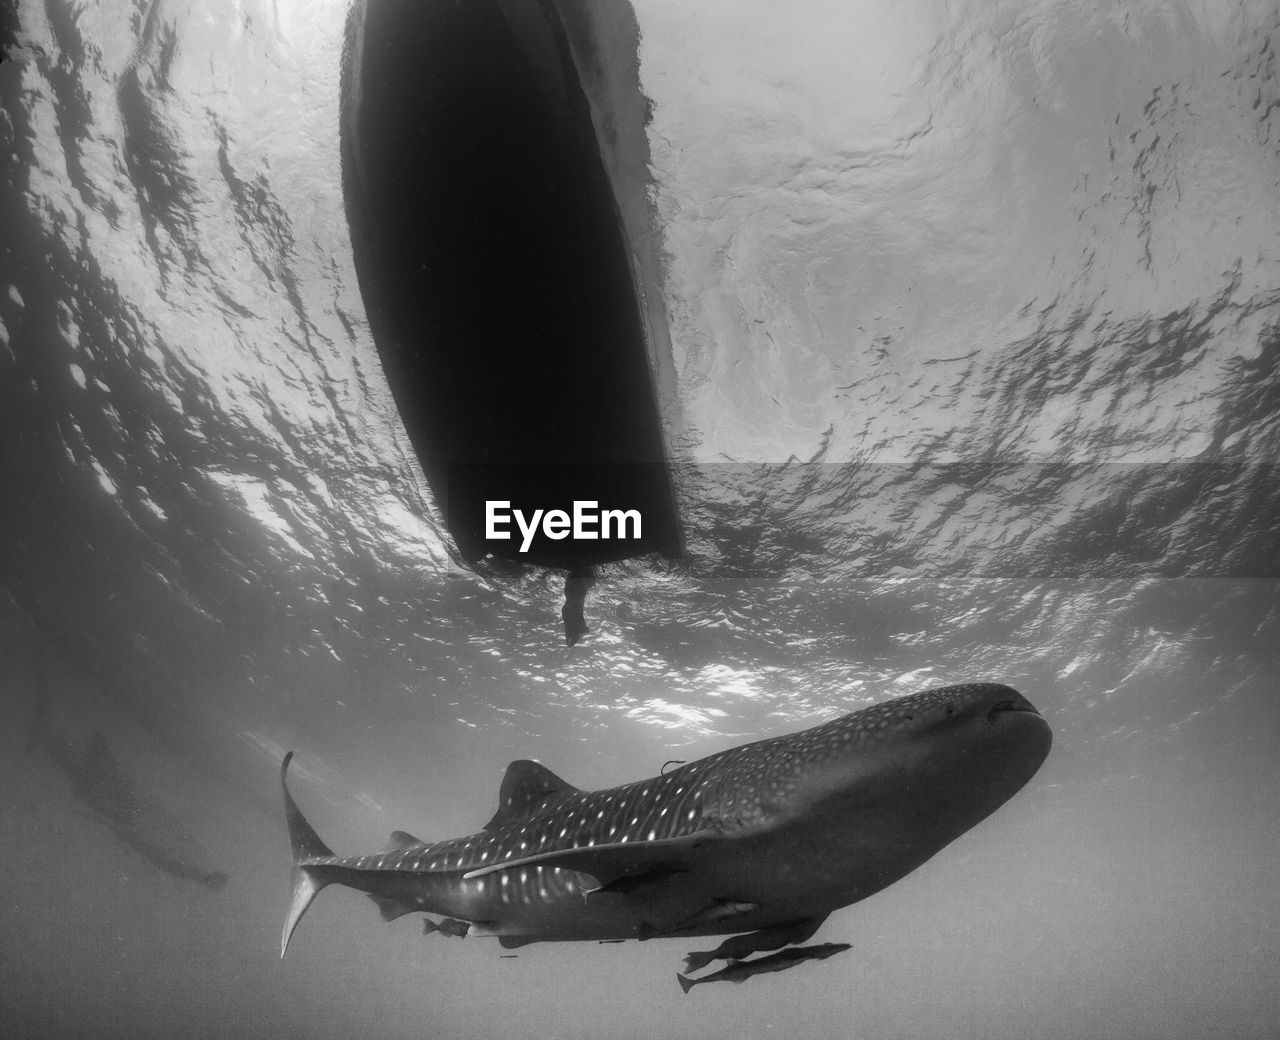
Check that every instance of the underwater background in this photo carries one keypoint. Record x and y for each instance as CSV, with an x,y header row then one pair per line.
x,y
965,323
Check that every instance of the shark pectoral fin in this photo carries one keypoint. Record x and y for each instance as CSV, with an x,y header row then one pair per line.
x,y
607,863
634,884
514,942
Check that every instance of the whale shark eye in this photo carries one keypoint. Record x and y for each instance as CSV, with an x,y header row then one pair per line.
x,y
951,709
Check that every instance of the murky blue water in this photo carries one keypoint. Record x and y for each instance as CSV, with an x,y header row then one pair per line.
x,y
966,329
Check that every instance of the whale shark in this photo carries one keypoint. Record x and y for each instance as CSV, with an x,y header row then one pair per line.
x,y
138,821
114,798
761,842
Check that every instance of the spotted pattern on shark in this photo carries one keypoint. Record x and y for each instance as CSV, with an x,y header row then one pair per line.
x,y
731,789
764,839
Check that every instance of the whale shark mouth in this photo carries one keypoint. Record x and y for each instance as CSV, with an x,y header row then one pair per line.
x,y
1016,703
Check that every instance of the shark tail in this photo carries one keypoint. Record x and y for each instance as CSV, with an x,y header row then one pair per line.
x,y
686,983
306,845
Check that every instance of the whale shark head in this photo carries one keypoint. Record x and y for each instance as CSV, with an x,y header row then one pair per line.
x,y
980,730
931,764
955,752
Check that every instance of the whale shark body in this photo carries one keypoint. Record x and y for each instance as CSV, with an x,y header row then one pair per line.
x,y
112,797
760,842
138,821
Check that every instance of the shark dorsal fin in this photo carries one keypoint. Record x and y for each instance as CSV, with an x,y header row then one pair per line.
x,y
526,788
402,840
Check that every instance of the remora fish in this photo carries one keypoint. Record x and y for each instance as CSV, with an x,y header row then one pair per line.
x,y
740,971
138,821
798,825
446,927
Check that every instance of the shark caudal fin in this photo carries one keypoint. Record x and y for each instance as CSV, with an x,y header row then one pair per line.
x,y
686,984
306,845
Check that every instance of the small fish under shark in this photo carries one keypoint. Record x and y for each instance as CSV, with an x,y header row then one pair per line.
x,y
760,842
